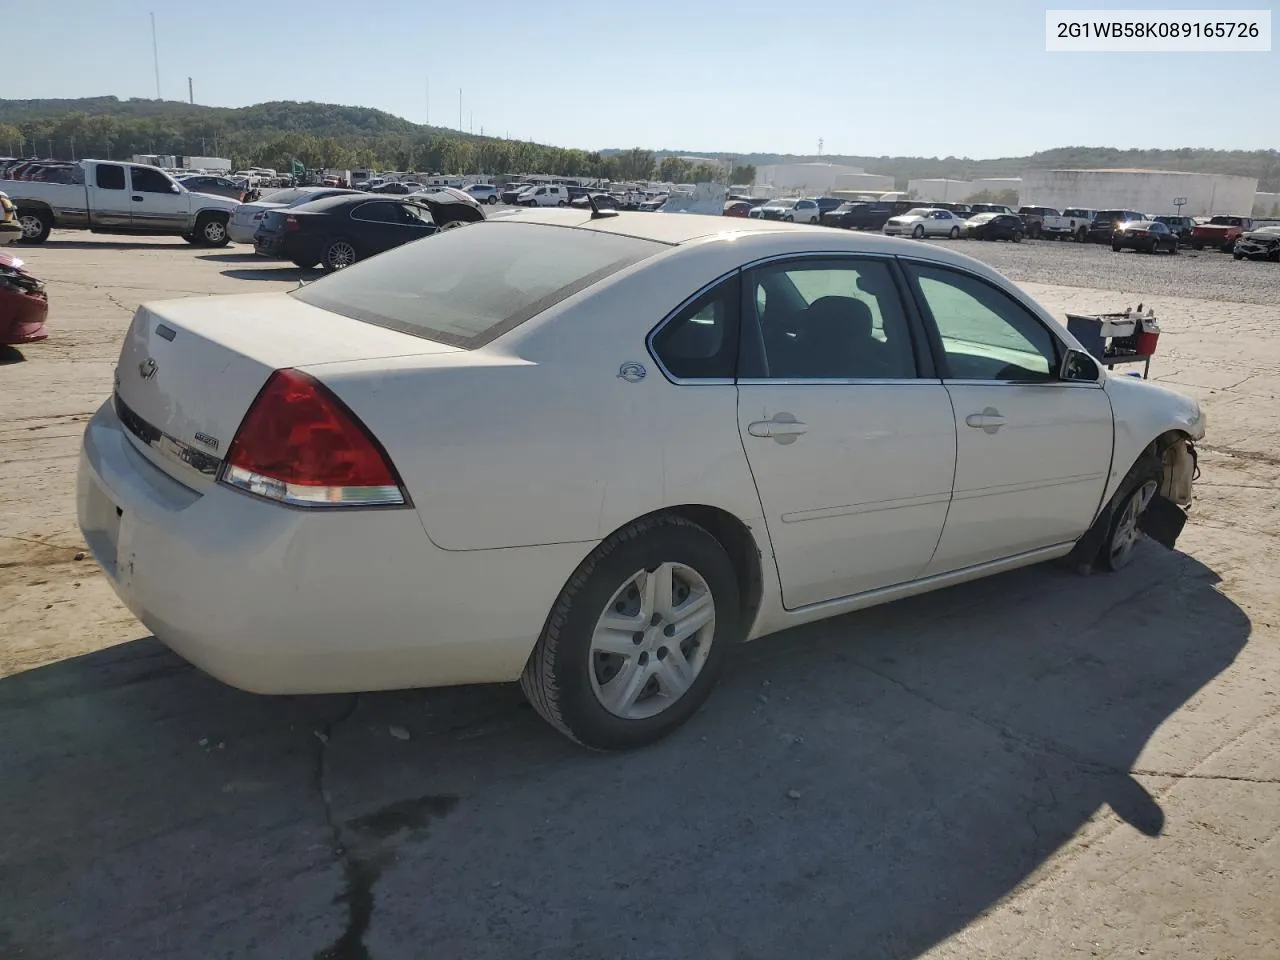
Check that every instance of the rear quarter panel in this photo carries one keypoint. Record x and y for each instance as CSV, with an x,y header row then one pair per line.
x,y
537,440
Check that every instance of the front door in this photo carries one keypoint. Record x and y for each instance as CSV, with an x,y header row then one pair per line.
x,y
109,203
1033,452
158,204
852,448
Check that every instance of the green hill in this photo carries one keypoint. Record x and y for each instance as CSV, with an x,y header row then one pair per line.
x,y
332,135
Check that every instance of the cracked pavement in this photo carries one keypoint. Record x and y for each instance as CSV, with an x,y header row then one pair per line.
x,y
1037,765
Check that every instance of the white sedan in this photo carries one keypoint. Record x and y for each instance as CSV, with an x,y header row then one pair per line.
x,y
593,452
925,222
794,210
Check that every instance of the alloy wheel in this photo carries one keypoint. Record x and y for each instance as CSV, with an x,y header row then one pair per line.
x,y
340,254
1127,533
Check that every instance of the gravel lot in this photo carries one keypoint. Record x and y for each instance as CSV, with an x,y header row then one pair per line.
x,y
1032,766
1203,275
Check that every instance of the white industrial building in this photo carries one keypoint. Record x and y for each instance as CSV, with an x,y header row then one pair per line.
x,y
1266,204
820,177
935,190
1147,191
998,185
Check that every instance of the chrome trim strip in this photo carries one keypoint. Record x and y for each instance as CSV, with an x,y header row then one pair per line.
x,y
166,447
836,381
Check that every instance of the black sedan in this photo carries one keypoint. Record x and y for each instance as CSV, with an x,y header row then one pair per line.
x,y
1147,235
338,231
994,226
1260,244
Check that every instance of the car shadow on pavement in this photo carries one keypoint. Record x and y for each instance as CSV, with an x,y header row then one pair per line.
x,y
272,273
231,258
10,355
177,244
862,787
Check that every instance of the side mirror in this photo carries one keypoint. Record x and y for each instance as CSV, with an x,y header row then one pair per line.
x,y
1079,367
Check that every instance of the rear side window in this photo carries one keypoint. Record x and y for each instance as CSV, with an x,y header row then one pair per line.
x,y
701,342
110,177
465,287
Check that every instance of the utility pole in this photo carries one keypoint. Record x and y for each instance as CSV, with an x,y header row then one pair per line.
x,y
428,119
191,92
471,122
155,54
73,149
819,146
459,109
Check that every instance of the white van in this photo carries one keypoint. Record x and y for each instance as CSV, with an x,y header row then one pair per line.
x,y
545,195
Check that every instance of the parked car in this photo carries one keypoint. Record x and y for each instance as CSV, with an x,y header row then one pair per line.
x,y
1181,227
215,186
24,303
511,192
1260,244
117,198
484,192
603,201
737,208
925,222
544,195
962,210
339,231
826,205
397,187
364,507
1221,232
1033,219
10,229
247,217
994,226
1150,236
790,209
1104,224
989,208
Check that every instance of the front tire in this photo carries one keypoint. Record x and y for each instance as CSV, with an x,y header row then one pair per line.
x,y
918,232
492,200
638,636
211,228
1115,248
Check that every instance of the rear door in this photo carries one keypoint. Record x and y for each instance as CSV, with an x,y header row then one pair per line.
x,y
850,440
1033,452
109,204
158,204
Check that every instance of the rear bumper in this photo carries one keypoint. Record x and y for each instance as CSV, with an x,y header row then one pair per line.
x,y
277,600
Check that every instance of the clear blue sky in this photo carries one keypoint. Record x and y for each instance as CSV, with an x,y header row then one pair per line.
x,y
871,77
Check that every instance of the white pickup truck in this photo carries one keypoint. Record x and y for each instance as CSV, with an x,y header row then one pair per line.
x,y
1071,224
108,197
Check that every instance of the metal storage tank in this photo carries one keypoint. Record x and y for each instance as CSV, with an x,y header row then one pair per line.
x,y
1147,191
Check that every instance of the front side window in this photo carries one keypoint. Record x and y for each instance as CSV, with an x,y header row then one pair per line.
x,y
147,180
701,342
986,334
826,320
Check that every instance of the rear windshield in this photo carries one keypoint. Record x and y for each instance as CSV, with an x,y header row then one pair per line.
x,y
465,287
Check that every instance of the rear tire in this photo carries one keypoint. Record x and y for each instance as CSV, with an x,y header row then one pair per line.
x,y
569,674
337,254
955,233
492,200
1115,248
36,226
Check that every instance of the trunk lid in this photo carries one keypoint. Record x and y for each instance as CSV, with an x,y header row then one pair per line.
x,y
190,369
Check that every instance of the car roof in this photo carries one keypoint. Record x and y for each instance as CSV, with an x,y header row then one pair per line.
x,y
325,204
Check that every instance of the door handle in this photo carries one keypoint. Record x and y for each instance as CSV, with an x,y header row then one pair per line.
x,y
989,420
784,428
137,199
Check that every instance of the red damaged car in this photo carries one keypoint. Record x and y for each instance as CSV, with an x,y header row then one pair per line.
x,y
1220,232
24,305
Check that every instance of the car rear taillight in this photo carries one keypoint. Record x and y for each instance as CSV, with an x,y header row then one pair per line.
x,y
299,444
291,223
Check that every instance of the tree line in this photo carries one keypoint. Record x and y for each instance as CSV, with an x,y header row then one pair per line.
x,y
318,136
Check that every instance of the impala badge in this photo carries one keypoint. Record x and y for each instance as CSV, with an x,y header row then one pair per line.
x,y
631,372
147,368
207,440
